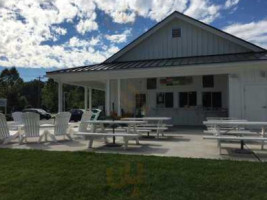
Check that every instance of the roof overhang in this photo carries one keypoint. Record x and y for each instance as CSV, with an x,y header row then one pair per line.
x,y
192,70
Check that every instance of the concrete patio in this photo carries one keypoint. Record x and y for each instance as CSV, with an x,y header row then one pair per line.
x,y
178,142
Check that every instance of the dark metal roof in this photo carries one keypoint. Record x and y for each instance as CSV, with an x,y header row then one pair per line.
x,y
170,62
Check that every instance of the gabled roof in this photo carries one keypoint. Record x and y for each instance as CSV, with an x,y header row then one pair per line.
x,y
172,62
180,16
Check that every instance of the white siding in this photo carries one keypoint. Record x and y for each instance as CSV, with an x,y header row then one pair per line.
x,y
237,85
194,42
180,116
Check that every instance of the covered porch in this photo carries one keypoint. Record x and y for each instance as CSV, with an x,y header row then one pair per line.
x,y
186,89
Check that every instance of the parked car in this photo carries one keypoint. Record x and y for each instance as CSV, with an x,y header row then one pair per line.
x,y
76,114
43,114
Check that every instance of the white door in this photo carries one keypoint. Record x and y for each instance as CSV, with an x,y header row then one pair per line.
x,y
255,103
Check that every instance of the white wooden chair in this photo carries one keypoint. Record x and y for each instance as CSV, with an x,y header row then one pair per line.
x,y
83,127
61,126
96,114
17,117
5,134
31,128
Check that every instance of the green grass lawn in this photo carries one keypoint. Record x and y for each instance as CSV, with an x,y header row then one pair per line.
x,y
26,174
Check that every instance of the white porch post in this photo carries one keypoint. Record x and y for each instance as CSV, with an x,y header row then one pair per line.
x,y
90,98
107,93
60,97
119,97
85,98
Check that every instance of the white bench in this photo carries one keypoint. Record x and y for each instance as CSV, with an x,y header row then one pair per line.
x,y
235,138
148,131
126,137
155,125
158,129
231,132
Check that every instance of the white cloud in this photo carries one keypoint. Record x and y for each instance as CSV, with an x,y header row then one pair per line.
x,y
27,27
119,38
60,30
255,32
203,10
87,24
125,11
231,3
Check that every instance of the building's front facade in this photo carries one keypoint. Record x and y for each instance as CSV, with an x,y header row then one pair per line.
x,y
180,68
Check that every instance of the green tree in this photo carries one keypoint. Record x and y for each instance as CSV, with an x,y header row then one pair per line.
x,y
49,95
32,92
10,88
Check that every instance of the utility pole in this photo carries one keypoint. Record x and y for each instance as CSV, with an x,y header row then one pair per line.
x,y
39,91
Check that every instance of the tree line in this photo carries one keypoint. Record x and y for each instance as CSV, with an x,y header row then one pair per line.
x,y
40,94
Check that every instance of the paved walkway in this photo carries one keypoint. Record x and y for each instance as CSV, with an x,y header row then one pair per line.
x,y
180,142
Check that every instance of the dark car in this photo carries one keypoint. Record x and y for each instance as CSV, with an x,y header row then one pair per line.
x,y
43,114
76,114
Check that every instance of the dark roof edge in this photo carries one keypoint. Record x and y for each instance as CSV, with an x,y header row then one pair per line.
x,y
81,67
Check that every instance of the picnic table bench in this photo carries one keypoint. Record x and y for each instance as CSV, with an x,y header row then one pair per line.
x,y
126,137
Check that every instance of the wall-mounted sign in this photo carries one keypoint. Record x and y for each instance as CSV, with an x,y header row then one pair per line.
x,y
173,81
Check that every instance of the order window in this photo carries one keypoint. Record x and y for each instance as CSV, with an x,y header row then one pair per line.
x,y
212,99
165,100
187,99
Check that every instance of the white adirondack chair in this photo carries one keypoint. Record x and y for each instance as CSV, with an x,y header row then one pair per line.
x,y
83,127
95,115
31,127
61,126
5,134
17,117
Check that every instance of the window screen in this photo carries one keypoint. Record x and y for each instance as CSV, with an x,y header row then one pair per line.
x,y
212,99
169,100
187,99
151,83
176,33
208,81
165,100
217,99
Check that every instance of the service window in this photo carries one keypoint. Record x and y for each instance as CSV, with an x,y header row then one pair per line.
x,y
169,100
208,81
212,99
165,100
187,99
151,83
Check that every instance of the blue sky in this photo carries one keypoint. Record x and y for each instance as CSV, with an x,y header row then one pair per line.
x,y
42,35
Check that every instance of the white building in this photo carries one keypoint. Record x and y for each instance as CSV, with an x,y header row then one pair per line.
x,y
180,68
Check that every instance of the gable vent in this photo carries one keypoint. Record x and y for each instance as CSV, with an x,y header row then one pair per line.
x,y
176,32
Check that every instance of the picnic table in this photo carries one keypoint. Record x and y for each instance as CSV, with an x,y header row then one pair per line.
x,y
219,124
114,122
159,125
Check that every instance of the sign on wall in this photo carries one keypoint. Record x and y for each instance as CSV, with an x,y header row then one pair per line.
x,y
173,81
